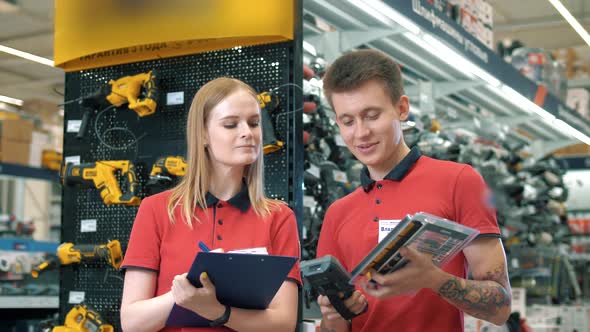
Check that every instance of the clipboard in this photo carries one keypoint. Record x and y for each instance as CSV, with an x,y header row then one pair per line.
x,y
241,280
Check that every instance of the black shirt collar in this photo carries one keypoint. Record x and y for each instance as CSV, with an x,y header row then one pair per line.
x,y
241,200
397,173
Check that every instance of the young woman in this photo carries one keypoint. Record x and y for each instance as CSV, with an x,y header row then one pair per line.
x,y
221,202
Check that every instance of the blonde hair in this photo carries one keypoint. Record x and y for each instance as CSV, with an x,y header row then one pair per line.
x,y
191,191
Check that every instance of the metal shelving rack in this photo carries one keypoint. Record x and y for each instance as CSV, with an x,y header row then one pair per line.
x,y
436,79
21,171
26,305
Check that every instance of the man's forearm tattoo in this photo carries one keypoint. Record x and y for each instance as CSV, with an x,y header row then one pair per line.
x,y
480,298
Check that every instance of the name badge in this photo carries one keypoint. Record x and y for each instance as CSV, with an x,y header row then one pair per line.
x,y
386,226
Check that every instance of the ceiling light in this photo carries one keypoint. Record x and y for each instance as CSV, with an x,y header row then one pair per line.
x,y
10,100
377,9
571,20
527,105
446,53
26,55
566,128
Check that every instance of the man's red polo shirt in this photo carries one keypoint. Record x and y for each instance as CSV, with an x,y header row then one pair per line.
x,y
169,249
417,184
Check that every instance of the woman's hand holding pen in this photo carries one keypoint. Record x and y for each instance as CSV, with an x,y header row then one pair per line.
x,y
202,300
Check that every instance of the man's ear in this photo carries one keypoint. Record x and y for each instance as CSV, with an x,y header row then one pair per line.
x,y
403,105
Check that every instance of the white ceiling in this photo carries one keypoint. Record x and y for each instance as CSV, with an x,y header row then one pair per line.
x,y
538,24
28,26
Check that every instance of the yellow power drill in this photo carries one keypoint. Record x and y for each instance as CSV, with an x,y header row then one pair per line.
x,y
175,166
140,91
268,103
68,253
165,171
83,319
101,175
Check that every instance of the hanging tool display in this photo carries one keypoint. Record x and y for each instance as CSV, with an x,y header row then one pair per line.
x,y
101,175
268,103
51,159
165,172
68,253
83,319
139,91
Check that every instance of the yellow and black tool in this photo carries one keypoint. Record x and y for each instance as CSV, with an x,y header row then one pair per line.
x,y
83,319
139,91
169,166
51,159
165,171
68,253
268,103
101,175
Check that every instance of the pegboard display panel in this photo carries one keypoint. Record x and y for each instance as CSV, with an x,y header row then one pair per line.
x,y
120,134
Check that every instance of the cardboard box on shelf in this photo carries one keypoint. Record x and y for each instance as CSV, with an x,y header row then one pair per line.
x,y
15,141
16,130
468,21
567,57
485,13
4,115
484,35
468,5
14,152
581,70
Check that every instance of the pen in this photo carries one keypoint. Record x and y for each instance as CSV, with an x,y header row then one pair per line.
x,y
203,247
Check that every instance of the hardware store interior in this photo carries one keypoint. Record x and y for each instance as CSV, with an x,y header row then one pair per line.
x,y
91,126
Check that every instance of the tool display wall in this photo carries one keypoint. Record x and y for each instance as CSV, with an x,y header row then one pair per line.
x,y
143,140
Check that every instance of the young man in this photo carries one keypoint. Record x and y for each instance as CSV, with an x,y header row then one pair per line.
x,y
365,90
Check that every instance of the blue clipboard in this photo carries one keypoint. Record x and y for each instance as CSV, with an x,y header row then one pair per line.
x,y
241,280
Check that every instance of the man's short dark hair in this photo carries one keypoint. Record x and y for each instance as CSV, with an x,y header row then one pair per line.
x,y
355,68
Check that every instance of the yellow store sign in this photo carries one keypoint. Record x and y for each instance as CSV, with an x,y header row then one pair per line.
x,y
90,34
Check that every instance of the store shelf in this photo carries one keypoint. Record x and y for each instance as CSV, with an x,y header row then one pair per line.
x,y
28,172
17,244
575,162
29,302
485,81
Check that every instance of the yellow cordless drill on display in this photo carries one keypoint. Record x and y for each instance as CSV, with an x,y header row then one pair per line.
x,y
139,91
165,171
101,175
83,319
68,253
268,103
